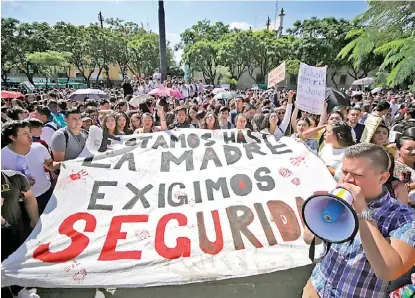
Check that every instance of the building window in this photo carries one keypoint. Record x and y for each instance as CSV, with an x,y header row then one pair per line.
x,y
343,79
78,75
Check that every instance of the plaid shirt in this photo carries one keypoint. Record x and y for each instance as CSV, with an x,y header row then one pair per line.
x,y
346,272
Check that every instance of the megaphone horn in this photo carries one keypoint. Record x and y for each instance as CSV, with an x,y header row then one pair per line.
x,y
331,216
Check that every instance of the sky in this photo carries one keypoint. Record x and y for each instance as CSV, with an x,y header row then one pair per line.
x,y
180,15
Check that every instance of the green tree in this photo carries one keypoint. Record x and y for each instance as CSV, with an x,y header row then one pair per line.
x,y
203,57
77,41
200,45
9,27
386,30
30,38
268,51
144,54
318,42
235,52
49,63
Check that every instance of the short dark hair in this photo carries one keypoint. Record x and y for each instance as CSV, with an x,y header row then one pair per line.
x,y
377,154
43,110
224,108
354,109
10,129
343,133
14,113
411,112
103,102
382,106
62,105
407,135
180,108
34,123
72,111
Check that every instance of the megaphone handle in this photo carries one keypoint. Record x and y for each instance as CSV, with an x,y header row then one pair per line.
x,y
312,249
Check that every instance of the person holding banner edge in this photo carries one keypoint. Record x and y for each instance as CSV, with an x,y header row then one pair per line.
x,y
384,248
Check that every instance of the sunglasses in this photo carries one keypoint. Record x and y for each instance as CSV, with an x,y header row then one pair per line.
x,y
281,113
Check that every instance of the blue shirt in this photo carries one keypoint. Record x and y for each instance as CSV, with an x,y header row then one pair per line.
x,y
346,272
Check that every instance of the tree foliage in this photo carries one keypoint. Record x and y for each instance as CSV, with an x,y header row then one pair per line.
x,y
386,32
92,48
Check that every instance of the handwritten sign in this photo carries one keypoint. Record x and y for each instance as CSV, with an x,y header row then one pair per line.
x,y
170,208
276,75
311,88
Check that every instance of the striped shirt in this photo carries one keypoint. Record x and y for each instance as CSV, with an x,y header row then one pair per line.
x,y
346,272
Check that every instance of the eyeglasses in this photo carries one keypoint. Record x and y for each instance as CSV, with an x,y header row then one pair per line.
x,y
281,113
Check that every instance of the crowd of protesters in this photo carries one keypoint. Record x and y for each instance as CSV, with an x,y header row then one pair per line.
x,y
45,128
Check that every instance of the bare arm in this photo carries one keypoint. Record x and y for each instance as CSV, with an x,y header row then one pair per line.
x,y
52,165
58,156
31,207
294,119
389,260
323,117
310,132
163,123
401,193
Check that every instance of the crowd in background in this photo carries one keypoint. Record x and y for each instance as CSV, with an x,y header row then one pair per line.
x,y
45,128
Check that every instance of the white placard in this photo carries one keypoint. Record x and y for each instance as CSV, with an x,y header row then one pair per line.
x,y
311,88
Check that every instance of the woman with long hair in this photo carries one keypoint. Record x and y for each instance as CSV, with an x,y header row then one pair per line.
x,y
123,123
135,122
337,138
192,116
109,125
210,121
148,124
110,132
274,126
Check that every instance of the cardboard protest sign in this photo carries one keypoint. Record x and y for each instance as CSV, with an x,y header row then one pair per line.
x,y
311,89
371,124
276,75
172,207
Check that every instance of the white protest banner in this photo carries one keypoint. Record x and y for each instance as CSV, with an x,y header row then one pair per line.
x,y
276,75
173,207
311,89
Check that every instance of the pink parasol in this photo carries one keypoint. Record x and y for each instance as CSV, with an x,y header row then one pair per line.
x,y
11,94
162,91
176,94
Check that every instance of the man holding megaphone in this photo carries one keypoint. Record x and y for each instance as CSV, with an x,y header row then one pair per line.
x,y
378,231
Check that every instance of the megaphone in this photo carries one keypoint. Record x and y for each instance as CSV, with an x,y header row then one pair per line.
x,y
331,216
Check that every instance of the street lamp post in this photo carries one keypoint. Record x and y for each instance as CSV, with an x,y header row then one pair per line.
x,y
107,81
162,38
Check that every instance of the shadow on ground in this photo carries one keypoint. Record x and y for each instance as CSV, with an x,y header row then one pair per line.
x,y
281,284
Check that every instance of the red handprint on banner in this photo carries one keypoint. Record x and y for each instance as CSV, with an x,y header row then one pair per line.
x,y
79,175
296,161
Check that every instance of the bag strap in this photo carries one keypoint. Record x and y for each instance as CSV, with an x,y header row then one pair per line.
x,y
48,124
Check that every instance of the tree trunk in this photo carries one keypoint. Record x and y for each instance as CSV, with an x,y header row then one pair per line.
x,y
97,78
334,82
4,78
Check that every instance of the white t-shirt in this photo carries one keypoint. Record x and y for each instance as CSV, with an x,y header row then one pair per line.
x,y
332,157
184,91
35,161
47,132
